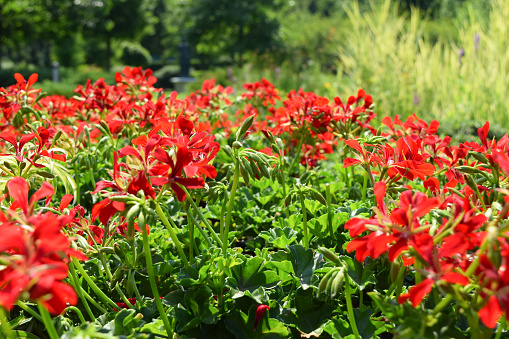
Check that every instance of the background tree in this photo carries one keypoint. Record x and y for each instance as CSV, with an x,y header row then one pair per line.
x,y
110,20
219,27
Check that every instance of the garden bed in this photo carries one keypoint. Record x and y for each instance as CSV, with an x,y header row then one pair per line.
x,y
128,212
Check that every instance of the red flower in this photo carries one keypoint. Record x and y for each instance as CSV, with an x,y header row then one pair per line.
x,y
172,172
34,253
260,311
18,190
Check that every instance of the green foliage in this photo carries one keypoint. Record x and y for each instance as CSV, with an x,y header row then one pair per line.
x,y
395,59
222,27
135,55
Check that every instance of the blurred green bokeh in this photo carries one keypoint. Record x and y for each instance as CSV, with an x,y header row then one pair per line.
x,y
438,58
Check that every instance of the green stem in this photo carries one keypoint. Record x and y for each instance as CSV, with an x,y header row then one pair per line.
x,y
329,211
397,285
283,183
130,275
190,224
173,235
76,179
230,207
501,326
5,324
221,218
193,221
418,275
444,302
91,170
151,276
349,307
104,298
30,311
78,312
471,269
110,278
365,187
46,318
95,303
297,155
202,217
304,219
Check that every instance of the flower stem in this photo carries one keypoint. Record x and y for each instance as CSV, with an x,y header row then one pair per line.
x,y
329,212
194,222
297,154
104,298
173,235
6,327
202,217
365,187
190,224
304,220
46,318
444,302
151,277
110,278
223,211
78,312
501,326
349,307
27,309
230,206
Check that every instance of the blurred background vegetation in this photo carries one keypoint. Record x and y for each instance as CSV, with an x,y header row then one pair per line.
x,y
447,59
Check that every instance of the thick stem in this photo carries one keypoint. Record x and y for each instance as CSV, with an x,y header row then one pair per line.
x,y
349,307
110,278
329,211
29,310
365,187
76,178
202,217
221,218
190,224
230,206
501,326
444,302
304,219
46,318
78,312
173,235
297,155
79,291
194,222
104,298
151,276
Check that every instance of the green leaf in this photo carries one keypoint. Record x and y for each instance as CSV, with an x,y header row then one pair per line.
x,y
313,206
309,314
242,325
23,334
304,263
360,276
278,237
251,275
294,221
121,319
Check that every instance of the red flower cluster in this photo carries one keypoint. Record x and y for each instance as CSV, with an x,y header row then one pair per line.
x,y
457,250
34,251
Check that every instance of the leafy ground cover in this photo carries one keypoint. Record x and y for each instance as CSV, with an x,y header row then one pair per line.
x,y
129,213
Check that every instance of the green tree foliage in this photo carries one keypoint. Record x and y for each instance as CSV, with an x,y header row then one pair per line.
x,y
112,19
24,22
224,27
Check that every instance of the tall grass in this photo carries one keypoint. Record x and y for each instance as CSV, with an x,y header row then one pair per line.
x,y
391,57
